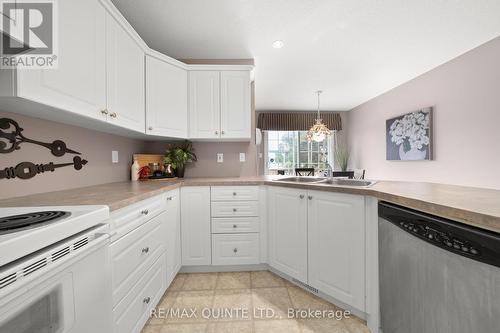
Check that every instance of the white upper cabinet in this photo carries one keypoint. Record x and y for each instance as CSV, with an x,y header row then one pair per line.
x,y
204,104
78,84
166,99
235,114
125,77
337,246
287,219
219,105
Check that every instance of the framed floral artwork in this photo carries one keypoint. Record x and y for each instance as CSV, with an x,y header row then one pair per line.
x,y
409,137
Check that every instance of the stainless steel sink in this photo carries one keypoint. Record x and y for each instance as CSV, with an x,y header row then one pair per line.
x,y
348,182
302,179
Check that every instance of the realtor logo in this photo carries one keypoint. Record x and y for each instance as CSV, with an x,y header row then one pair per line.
x,y
28,34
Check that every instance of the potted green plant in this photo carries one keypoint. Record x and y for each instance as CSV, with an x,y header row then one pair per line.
x,y
177,155
342,157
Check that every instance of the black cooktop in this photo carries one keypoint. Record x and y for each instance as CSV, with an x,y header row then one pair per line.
x,y
28,220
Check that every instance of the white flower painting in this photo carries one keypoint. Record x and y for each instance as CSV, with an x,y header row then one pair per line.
x,y
409,136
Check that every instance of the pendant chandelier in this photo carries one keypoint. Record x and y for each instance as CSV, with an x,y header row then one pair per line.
x,y
318,132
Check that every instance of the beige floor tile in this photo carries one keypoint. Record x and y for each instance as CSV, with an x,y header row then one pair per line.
x,y
230,327
266,279
163,306
276,326
356,325
233,280
323,326
183,328
275,299
191,301
302,299
151,329
178,282
200,281
232,304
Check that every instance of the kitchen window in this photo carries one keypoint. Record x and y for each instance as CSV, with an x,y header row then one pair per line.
x,y
287,150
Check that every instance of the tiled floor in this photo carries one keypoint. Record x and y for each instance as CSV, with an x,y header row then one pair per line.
x,y
220,299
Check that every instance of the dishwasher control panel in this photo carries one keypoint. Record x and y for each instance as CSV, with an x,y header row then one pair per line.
x,y
462,239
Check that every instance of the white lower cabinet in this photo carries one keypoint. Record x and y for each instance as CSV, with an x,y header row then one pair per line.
x,y
287,220
195,225
318,238
173,235
336,232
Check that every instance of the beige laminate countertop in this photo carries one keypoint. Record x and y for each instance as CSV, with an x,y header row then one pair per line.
x,y
473,206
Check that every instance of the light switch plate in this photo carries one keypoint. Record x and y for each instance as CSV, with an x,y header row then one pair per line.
x,y
242,157
220,157
114,156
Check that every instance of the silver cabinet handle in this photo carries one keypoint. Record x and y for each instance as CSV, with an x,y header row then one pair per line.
x,y
234,193
145,250
104,112
146,300
150,128
113,115
309,197
301,196
145,212
216,132
169,198
235,250
234,210
235,226
222,132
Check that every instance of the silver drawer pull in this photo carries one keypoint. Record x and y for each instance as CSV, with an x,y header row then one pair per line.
x,y
301,196
235,226
169,198
234,209
145,212
235,250
309,197
145,250
147,300
234,193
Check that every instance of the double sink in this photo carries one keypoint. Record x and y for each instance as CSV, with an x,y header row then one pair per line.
x,y
327,181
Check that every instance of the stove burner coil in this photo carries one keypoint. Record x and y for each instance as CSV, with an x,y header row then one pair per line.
x,y
23,221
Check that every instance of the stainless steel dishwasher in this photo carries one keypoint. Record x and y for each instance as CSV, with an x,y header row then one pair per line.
x,y
436,275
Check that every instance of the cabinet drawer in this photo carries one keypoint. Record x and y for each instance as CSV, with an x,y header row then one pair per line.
x,y
234,193
235,249
133,311
132,254
235,208
127,219
221,225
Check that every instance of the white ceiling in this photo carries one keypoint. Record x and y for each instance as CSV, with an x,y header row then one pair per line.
x,y
354,50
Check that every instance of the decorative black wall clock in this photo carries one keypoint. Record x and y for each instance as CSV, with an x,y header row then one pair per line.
x,y
10,130
27,170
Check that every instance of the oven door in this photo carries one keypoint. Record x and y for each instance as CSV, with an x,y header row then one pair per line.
x,y
68,296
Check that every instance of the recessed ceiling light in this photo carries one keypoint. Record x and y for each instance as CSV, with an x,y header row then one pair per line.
x,y
278,44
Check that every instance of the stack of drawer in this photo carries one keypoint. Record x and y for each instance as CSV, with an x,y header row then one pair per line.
x,y
235,225
138,262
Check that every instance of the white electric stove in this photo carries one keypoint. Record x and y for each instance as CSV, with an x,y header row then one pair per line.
x,y
55,274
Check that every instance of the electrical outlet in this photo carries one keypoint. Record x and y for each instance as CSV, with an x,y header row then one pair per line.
x,y
220,157
242,157
114,156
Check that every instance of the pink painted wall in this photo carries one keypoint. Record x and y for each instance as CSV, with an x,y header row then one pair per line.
x,y
465,94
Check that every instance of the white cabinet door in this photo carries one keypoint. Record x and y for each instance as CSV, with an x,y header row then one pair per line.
x,y
166,99
195,226
78,85
125,78
337,246
173,234
288,231
235,105
204,104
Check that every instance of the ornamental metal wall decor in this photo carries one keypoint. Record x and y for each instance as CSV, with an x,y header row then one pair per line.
x,y
27,170
10,130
